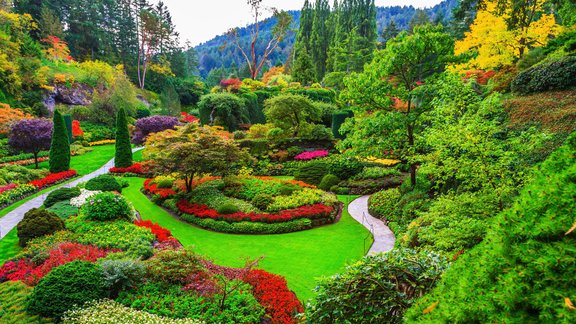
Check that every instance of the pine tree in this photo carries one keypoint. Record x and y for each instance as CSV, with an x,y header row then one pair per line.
x,y
60,146
123,157
390,32
320,38
303,70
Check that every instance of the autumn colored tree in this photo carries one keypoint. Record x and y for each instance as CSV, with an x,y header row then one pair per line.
x,y
274,71
496,42
192,151
9,115
279,32
57,49
31,136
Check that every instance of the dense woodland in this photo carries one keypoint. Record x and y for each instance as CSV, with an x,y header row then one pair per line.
x,y
458,121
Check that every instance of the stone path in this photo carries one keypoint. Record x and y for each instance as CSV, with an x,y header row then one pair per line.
x,y
10,220
383,237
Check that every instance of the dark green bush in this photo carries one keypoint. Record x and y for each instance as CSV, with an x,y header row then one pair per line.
x,y
36,223
104,182
312,172
554,75
344,166
383,204
223,109
174,266
262,200
107,206
60,146
328,181
249,227
143,113
377,289
228,209
74,283
63,209
338,118
288,189
60,195
123,155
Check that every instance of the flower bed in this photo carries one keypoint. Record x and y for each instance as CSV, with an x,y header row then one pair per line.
x,y
14,192
307,156
152,188
135,169
25,162
103,142
53,178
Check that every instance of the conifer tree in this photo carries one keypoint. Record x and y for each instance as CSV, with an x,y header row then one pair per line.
x,y
60,146
303,70
123,157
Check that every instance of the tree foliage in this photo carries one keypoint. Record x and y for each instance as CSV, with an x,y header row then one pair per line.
x,y
291,112
60,145
123,157
31,136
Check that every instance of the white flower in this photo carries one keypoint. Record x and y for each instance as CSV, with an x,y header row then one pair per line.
x,y
83,198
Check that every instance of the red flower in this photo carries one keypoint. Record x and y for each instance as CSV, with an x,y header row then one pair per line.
x,y
161,233
76,129
187,118
53,178
135,168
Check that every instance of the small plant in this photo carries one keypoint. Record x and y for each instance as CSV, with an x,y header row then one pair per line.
x,y
104,183
60,195
262,201
328,181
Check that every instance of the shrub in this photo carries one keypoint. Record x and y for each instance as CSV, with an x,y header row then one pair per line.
x,y
150,125
554,75
36,223
223,109
174,266
328,181
262,201
227,209
344,166
53,178
123,156
17,193
250,227
239,135
383,204
121,274
312,172
107,206
306,156
288,189
71,284
60,195
60,146
103,183
377,289
372,173
64,209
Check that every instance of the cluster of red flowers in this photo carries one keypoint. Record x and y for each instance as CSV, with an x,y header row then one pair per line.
x,y
76,129
160,232
152,188
136,168
8,187
30,273
233,84
53,178
317,211
272,292
187,118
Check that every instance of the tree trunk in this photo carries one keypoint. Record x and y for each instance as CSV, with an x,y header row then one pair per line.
x,y
36,159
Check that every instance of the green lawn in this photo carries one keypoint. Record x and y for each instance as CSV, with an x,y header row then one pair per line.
x,y
300,257
83,164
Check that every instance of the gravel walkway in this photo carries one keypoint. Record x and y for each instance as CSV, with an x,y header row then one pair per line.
x,y
383,237
10,220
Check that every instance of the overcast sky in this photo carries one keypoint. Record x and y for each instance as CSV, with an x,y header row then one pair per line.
x,y
199,21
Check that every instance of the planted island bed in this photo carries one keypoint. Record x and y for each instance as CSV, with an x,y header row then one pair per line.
x,y
246,204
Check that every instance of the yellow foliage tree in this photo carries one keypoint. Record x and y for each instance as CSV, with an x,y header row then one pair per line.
x,y
9,115
496,45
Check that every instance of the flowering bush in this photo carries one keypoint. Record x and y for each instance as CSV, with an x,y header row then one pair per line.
x,y
271,291
107,206
84,195
152,188
53,178
187,118
306,156
317,211
136,168
160,232
30,272
102,142
9,196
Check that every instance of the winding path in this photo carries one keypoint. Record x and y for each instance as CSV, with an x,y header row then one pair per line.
x,y
384,239
10,220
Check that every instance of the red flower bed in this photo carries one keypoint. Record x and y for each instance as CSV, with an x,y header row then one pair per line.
x,y
152,188
25,162
187,118
8,187
135,168
160,232
317,211
53,178
272,292
30,273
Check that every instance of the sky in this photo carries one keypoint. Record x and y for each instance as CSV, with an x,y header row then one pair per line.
x,y
199,21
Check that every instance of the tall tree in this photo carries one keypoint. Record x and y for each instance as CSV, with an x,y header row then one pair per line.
x,y
320,38
123,156
31,136
391,31
60,145
303,68
390,95
256,62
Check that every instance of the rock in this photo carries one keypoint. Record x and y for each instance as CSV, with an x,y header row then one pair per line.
x,y
77,95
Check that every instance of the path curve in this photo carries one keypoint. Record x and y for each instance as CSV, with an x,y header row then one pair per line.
x,y
10,220
384,239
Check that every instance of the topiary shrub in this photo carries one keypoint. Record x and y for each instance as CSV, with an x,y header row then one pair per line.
x,y
60,146
262,201
377,289
311,172
555,75
36,223
328,181
74,283
104,183
123,155
228,209
60,195
107,206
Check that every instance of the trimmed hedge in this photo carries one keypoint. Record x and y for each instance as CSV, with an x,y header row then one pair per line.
x,y
61,195
37,223
338,118
312,172
123,155
60,146
555,75
104,183
249,227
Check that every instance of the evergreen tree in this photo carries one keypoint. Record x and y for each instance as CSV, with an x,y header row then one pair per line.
x,y
60,146
419,18
390,32
123,158
320,38
303,70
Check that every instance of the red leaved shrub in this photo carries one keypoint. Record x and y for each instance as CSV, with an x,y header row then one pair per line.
x,y
152,188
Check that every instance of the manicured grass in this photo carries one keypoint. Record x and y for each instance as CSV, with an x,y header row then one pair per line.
x,y
12,302
9,247
300,257
137,156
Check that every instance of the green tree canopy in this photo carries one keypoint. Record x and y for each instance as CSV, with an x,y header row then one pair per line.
x,y
291,112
